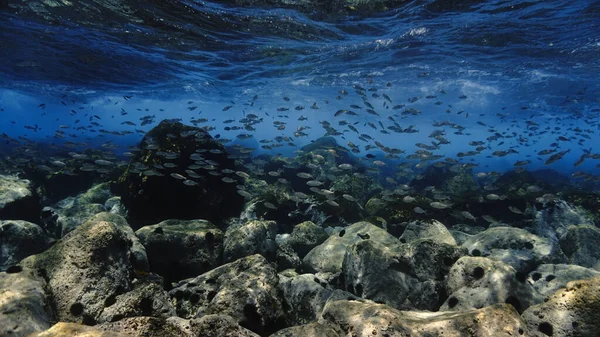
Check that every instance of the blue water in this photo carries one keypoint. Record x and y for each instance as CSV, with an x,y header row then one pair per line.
x,y
527,70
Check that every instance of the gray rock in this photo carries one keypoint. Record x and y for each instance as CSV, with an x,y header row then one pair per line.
x,y
432,229
329,256
245,289
74,211
407,276
148,327
137,251
84,269
18,200
460,237
514,246
370,319
179,249
23,303
252,237
310,330
146,299
287,258
552,221
19,239
571,311
306,236
581,245
477,282
548,278
305,296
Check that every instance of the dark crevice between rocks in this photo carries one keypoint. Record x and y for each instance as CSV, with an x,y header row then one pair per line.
x,y
514,301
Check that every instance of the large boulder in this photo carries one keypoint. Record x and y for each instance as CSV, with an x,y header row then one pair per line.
x,y
84,269
178,175
252,237
245,289
409,276
514,246
548,278
477,282
552,220
145,299
305,296
571,311
19,239
329,256
23,305
356,318
306,236
179,249
581,245
18,199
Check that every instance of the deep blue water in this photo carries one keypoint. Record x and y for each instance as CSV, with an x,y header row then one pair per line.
x,y
525,71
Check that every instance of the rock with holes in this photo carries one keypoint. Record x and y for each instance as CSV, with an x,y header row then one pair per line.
x,y
514,246
23,304
205,326
404,276
581,245
356,318
553,219
179,249
84,269
252,237
245,289
304,296
571,311
329,256
477,282
137,252
431,229
306,236
145,299
548,278
18,199
64,329
286,257
310,329
73,211
19,239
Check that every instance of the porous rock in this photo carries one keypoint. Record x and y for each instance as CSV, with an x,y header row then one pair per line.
x,y
571,311
477,282
581,245
245,289
548,278
179,249
18,200
23,304
432,229
370,319
19,239
514,246
85,268
329,256
252,237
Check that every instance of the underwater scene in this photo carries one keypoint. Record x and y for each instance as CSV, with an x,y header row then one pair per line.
x,y
299,168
